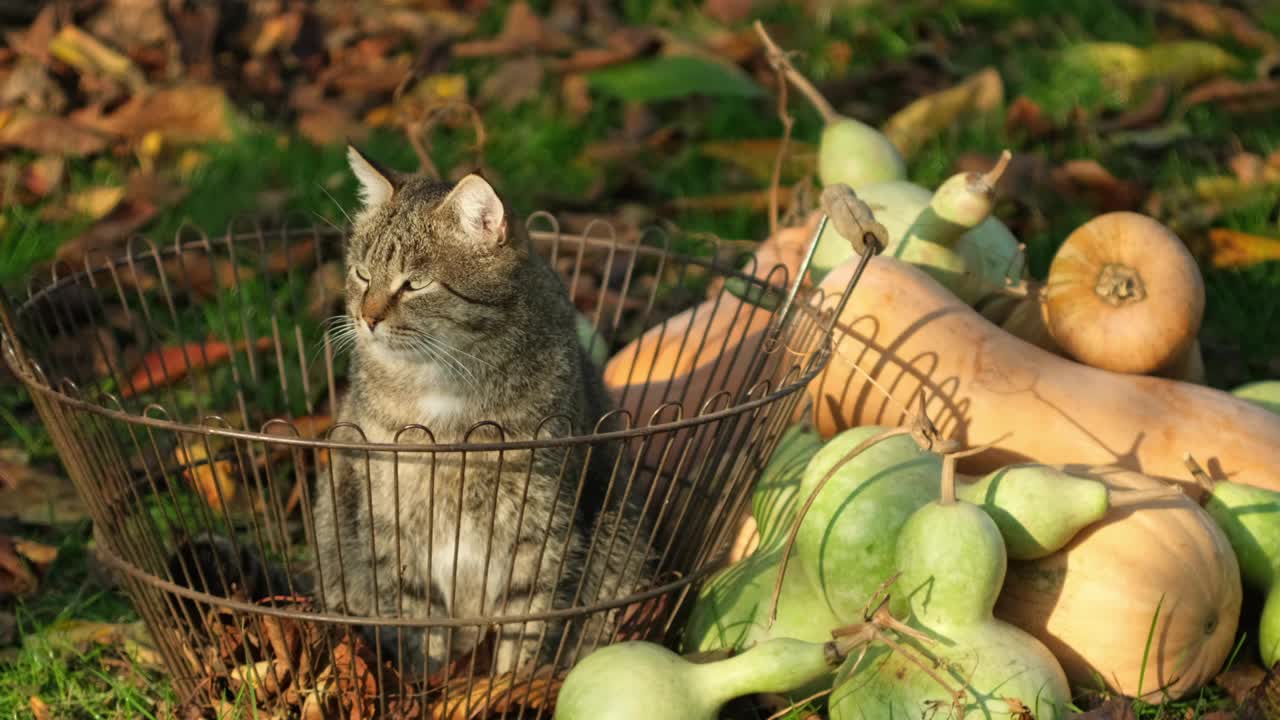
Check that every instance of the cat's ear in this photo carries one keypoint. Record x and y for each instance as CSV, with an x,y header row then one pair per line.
x,y
480,211
376,183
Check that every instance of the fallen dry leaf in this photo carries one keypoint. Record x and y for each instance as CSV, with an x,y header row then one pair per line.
x,y
912,126
277,31
623,44
576,95
757,156
214,481
522,30
1146,114
1216,21
87,54
169,365
44,174
34,42
136,25
325,290
109,232
1240,680
1091,182
1249,168
30,85
1232,249
38,554
39,710
92,203
1236,96
505,694
182,114
1263,703
16,576
1025,116
753,200
1116,708
513,83
42,133
331,123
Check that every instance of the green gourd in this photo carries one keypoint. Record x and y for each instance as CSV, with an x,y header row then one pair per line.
x,y
846,540
1250,518
948,234
732,607
1040,508
641,680
592,341
1264,393
952,561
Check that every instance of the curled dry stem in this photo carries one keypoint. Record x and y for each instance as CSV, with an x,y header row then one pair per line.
x,y
947,494
799,703
992,176
1197,473
778,59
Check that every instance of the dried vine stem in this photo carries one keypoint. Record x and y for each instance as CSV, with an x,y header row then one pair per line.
x,y
778,58
947,494
921,429
787,122
1197,473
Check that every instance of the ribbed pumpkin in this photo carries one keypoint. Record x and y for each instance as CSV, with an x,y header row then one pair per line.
x,y
1093,602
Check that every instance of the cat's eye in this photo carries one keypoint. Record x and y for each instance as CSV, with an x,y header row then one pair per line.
x,y
415,284
362,274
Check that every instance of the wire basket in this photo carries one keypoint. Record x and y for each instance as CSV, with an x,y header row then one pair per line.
x,y
189,391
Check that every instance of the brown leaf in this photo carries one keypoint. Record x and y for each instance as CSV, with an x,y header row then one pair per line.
x,y
1240,680
575,92
757,156
1216,21
44,174
729,11
623,44
754,200
170,364
514,82
182,114
1263,703
214,481
135,25
1232,249
34,43
912,126
30,85
1116,708
85,53
38,497
1024,115
1236,96
1145,115
277,31
330,124
47,134
522,30
16,577
38,554
1090,181
1249,167
39,710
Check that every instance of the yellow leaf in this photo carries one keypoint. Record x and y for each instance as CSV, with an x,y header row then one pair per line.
x,y
1231,249
95,202
191,160
445,86
152,143
82,51
38,708
214,481
912,126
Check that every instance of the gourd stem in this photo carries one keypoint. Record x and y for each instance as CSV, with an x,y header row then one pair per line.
x,y
773,666
1119,285
928,669
1128,498
992,176
778,58
808,503
1197,473
947,494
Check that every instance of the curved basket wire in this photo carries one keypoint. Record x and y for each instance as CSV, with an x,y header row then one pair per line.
x,y
189,390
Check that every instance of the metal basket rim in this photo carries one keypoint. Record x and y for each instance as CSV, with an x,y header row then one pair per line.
x,y
110,557
36,384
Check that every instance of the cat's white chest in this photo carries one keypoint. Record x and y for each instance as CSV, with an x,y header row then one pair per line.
x,y
439,408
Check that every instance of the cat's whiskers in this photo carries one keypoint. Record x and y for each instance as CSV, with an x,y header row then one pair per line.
x,y
441,353
341,209
452,354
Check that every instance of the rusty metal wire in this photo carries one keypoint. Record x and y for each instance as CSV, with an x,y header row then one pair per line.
x,y
215,435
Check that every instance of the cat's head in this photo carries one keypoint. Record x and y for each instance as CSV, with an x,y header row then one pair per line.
x,y
430,265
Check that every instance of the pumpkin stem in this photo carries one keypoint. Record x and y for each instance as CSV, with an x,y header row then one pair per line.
x,y
779,60
1119,285
1197,473
1129,498
992,176
808,503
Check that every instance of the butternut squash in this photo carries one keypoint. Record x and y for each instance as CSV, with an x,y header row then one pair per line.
x,y
1162,562
909,334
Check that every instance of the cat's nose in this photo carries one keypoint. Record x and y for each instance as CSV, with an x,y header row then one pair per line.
x,y
372,321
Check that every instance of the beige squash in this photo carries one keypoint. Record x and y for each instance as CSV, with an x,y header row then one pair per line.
x,y
902,332
1093,602
1124,294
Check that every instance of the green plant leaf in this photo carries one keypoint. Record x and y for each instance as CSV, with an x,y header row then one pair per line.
x,y
669,78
